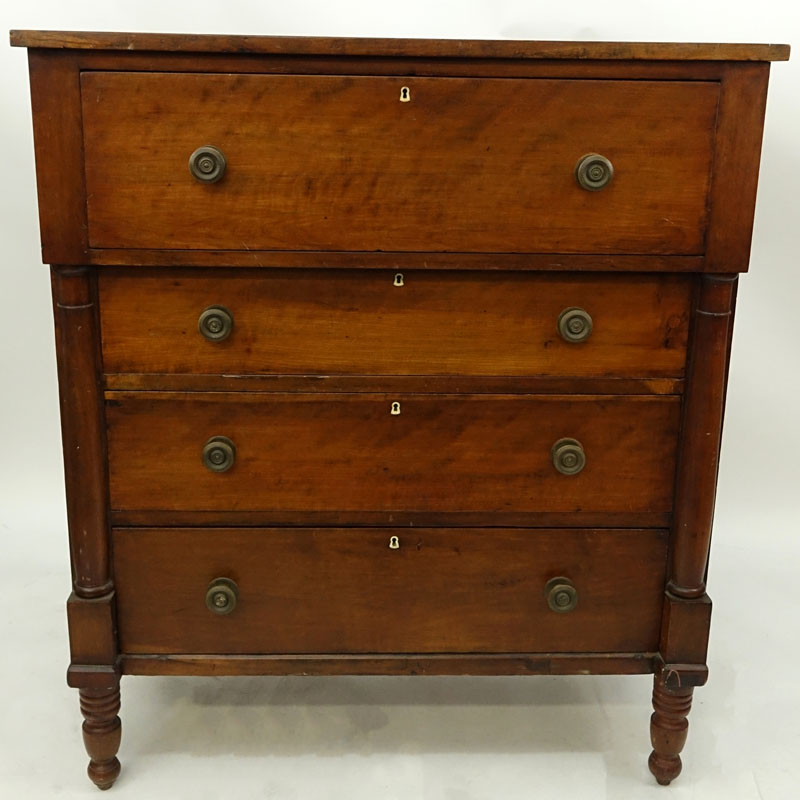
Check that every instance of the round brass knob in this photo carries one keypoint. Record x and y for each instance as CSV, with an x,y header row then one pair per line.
x,y
568,456
593,172
215,323
219,453
574,324
207,164
561,594
221,595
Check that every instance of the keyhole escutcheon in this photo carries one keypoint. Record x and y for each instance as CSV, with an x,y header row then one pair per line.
x,y
398,279
395,408
405,95
394,543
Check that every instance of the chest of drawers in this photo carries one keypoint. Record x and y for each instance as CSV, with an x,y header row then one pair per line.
x,y
392,357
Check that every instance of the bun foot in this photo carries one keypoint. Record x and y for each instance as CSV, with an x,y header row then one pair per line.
x,y
664,768
102,731
668,729
103,773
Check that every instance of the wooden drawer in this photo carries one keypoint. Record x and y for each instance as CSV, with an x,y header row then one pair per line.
x,y
339,163
346,591
359,322
349,452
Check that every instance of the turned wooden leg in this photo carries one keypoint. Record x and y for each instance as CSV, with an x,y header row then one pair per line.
x,y
668,729
102,731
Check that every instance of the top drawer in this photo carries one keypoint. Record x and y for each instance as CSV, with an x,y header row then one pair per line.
x,y
342,163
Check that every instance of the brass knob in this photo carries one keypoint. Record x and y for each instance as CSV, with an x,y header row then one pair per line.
x,y
574,324
561,594
207,164
568,456
593,172
215,323
221,595
219,453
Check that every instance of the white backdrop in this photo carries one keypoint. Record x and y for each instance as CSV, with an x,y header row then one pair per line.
x,y
461,739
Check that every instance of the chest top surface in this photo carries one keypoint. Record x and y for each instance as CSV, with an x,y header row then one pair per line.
x,y
423,48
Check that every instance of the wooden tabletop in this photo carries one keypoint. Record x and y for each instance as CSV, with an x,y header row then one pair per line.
x,y
422,48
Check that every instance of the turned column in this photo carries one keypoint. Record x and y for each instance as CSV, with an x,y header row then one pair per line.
x,y
668,729
90,608
101,734
702,432
687,608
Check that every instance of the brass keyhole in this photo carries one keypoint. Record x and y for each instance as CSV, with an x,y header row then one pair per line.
x,y
405,95
398,279
395,408
394,543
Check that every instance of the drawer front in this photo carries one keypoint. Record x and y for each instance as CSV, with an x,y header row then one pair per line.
x,y
340,163
348,591
361,322
350,452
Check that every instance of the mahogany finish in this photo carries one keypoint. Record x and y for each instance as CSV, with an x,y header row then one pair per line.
x,y
406,664
668,730
348,452
102,732
380,48
363,537
405,163
347,323
703,408
337,590
82,429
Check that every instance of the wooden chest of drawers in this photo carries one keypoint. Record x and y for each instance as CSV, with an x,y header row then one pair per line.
x,y
392,357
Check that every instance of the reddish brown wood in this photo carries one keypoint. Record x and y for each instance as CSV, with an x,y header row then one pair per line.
x,y
436,48
349,322
82,427
398,261
153,61
304,385
102,732
702,428
684,629
682,676
58,142
743,100
668,729
463,166
92,630
467,519
428,384
347,452
406,664
94,676
330,590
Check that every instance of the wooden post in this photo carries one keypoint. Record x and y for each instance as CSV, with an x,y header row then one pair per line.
x,y
687,608
90,608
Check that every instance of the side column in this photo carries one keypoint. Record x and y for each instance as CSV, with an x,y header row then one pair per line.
x,y
687,608
90,608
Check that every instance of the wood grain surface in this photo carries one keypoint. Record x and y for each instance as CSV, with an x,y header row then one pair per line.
x,y
354,46
58,143
397,664
339,163
347,452
349,322
346,591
